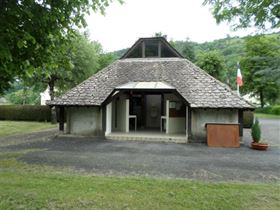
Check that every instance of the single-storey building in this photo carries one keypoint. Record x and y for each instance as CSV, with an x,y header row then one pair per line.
x,y
150,91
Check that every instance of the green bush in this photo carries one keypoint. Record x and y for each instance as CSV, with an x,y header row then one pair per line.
x,y
269,110
275,110
256,131
25,112
248,119
264,110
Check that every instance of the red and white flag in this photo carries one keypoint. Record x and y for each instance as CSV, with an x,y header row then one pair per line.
x,y
239,80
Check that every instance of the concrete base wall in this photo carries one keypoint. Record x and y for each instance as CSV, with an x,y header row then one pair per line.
x,y
119,115
84,121
177,125
202,116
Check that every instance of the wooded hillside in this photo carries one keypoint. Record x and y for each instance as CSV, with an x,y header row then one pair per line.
x,y
232,48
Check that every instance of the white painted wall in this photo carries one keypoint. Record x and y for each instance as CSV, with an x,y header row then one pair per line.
x,y
202,116
173,124
177,125
45,96
84,121
119,114
108,118
127,115
167,115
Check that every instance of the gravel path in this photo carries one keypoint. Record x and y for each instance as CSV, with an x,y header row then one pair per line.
x,y
192,161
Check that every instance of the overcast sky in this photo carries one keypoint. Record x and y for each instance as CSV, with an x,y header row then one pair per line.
x,y
178,19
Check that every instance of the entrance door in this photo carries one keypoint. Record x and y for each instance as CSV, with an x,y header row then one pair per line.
x,y
153,111
147,109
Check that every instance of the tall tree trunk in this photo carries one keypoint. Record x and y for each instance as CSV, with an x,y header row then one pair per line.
x,y
51,86
261,98
53,111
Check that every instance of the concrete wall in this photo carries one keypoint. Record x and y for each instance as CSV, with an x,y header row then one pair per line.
x,y
177,125
108,118
84,121
174,124
119,115
202,116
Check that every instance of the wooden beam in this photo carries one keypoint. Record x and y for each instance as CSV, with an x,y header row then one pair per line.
x,y
103,119
159,49
240,121
143,49
189,122
61,118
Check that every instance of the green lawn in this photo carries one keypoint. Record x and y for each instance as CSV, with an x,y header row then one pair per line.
x,y
19,127
26,186
271,116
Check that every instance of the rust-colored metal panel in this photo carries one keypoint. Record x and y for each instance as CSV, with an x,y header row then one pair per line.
x,y
222,135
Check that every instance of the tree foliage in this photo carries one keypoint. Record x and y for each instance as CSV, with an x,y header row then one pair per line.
x,y
31,30
263,14
213,63
24,96
188,50
260,61
73,62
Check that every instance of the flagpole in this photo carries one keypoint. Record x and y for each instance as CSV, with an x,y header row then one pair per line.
x,y
237,85
238,93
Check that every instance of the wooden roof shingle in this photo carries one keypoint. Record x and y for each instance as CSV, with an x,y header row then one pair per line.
x,y
194,84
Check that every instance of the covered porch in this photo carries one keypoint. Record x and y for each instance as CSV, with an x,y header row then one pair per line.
x,y
152,111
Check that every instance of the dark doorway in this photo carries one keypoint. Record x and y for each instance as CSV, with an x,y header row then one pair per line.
x,y
147,109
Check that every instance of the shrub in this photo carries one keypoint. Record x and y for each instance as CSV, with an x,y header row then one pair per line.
x,y
248,119
275,110
256,131
264,110
25,112
269,110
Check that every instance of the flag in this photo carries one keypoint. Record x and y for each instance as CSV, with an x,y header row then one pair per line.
x,y
239,80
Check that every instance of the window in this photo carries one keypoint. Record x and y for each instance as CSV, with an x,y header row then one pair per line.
x,y
137,52
151,48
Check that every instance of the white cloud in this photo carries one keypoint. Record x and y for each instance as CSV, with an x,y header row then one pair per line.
x,y
124,24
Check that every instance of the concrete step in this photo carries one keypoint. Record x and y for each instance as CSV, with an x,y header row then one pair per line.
x,y
149,138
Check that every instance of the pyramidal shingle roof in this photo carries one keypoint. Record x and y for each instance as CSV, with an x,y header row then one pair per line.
x,y
194,84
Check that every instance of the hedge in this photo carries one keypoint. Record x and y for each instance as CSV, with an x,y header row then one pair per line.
x,y
269,110
25,112
248,119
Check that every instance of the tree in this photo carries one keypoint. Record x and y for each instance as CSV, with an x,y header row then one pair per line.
x,y
73,62
213,63
188,50
261,59
264,14
31,29
24,96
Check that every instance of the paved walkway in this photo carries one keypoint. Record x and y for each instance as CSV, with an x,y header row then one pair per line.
x,y
192,161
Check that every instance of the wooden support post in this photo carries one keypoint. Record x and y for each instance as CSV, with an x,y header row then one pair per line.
x,y
61,118
240,121
189,122
103,119
159,49
143,49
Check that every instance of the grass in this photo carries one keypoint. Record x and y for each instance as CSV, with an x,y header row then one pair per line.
x,y
8,128
25,186
271,116
30,186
